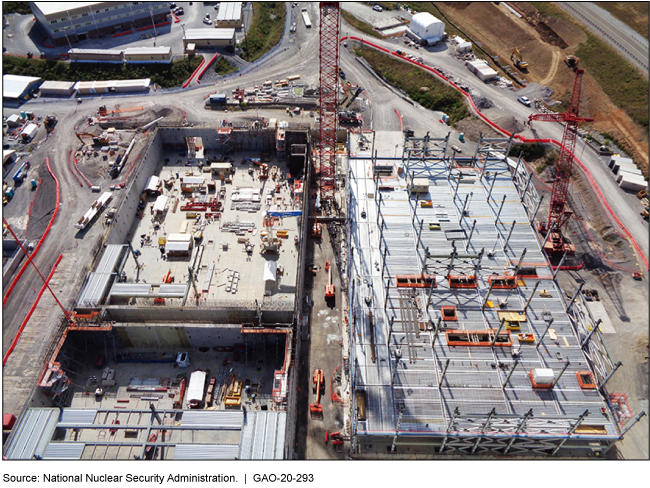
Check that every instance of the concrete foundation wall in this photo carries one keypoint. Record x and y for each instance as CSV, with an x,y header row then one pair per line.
x,y
151,163
178,337
209,315
240,139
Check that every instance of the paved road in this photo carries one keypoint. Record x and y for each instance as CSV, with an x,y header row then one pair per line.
x,y
632,45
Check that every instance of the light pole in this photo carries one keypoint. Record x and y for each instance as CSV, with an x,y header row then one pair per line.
x,y
152,21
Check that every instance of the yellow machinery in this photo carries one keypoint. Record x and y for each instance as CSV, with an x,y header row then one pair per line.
x,y
516,57
102,139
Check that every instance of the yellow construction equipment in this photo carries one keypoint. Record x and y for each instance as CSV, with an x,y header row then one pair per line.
x,y
516,57
642,194
101,139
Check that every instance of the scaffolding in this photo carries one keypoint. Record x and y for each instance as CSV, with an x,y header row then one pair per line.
x,y
449,364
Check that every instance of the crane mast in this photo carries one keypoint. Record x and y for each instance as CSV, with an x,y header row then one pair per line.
x,y
558,212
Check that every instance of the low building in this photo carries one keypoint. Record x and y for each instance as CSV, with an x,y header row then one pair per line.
x,y
14,120
112,86
162,54
230,15
209,37
65,22
96,55
15,87
8,156
426,29
56,88
481,69
420,185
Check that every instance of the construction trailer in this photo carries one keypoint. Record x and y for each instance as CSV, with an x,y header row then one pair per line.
x,y
484,362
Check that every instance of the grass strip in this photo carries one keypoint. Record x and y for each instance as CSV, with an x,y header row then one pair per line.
x,y
265,30
418,84
164,75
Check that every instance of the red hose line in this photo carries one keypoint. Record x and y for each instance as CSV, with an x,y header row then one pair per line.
x,y
522,139
40,243
31,311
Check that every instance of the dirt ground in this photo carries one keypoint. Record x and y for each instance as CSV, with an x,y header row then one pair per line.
x,y
544,43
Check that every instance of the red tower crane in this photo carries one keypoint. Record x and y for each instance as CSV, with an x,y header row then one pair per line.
x,y
558,213
329,55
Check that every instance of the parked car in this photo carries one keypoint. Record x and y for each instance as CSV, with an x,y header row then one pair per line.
x,y
172,5
524,100
179,11
342,74
377,8
206,20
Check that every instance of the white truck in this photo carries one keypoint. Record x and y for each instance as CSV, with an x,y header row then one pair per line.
x,y
305,17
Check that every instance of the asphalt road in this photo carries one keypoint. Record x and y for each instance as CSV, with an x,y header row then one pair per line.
x,y
632,45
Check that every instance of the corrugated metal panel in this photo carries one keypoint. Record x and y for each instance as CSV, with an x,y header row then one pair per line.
x,y
248,432
95,289
173,291
64,450
110,258
218,419
33,433
206,451
71,417
270,435
130,289
258,437
177,246
281,433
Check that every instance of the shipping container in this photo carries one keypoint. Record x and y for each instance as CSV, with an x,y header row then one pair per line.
x,y
633,182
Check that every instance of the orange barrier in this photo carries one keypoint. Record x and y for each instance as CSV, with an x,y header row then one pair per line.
x,y
71,170
401,125
31,311
192,75
40,242
207,65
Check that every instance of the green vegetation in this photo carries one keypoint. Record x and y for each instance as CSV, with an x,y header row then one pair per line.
x,y
16,8
622,83
223,66
633,14
418,84
359,25
265,30
529,152
165,75
547,162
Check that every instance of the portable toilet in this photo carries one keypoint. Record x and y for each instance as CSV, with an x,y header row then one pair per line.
x,y
34,184
461,137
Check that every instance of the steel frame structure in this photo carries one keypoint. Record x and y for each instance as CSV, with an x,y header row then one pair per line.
x,y
329,69
558,214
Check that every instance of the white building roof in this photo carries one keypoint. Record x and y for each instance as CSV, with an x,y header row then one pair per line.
x,y
131,51
60,7
424,24
229,11
209,34
14,85
57,85
160,204
111,52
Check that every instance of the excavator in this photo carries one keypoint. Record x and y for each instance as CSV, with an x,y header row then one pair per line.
x,y
572,62
264,168
102,139
329,288
316,409
516,56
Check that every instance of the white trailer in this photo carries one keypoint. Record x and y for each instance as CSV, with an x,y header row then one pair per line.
x,y
633,183
194,395
305,17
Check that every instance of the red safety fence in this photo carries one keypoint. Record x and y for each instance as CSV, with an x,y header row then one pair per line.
x,y
71,170
123,33
167,22
45,43
40,242
207,65
75,161
31,311
519,137
195,72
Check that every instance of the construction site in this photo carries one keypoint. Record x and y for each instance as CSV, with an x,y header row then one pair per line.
x,y
253,290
